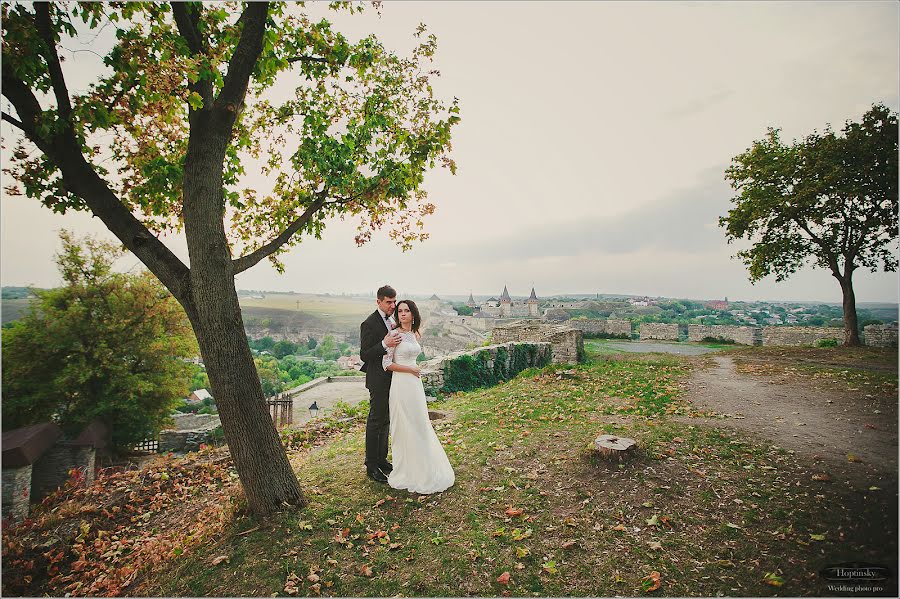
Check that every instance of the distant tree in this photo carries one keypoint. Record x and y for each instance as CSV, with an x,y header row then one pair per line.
x,y
830,199
311,343
283,348
104,346
463,310
266,343
189,95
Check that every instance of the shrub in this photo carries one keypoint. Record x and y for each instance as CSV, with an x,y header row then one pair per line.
x,y
469,372
827,343
718,340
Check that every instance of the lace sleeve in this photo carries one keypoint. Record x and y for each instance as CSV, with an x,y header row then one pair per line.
x,y
387,358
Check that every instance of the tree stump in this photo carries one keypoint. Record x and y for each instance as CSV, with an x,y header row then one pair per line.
x,y
612,447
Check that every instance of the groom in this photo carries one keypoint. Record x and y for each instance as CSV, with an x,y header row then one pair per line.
x,y
376,335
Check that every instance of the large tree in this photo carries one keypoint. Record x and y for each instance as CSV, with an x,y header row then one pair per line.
x,y
189,106
829,199
105,345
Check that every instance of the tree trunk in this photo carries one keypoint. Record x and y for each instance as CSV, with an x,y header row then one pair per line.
x,y
851,329
267,477
259,457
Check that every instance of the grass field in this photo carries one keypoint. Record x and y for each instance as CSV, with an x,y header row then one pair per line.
x,y
698,511
337,312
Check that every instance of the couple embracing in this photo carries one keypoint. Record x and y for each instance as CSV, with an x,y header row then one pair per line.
x,y
389,345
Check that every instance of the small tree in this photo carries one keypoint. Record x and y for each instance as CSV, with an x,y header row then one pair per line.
x,y
829,199
104,346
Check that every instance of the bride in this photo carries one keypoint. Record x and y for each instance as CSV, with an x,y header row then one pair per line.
x,y
420,464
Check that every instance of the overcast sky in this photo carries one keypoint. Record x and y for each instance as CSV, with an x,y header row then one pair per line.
x,y
591,152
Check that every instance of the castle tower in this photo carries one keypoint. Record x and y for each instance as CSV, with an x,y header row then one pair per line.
x,y
533,304
471,302
505,304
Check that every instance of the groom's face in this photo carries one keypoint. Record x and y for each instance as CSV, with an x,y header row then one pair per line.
x,y
387,305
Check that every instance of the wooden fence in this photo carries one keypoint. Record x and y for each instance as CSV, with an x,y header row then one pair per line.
x,y
281,408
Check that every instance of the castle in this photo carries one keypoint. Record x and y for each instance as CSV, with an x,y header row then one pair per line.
x,y
505,307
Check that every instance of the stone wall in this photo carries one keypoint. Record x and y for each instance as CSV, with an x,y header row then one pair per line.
x,y
51,471
800,335
433,370
567,343
880,335
599,326
741,335
191,430
658,330
16,492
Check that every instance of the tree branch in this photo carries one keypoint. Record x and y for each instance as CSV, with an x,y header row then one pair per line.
x,y
244,262
832,261
245,55
187,27
25,102
14,121
187,22
82,180
45,30
294,59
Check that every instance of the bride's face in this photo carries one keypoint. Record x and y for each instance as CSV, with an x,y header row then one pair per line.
x,y
404,314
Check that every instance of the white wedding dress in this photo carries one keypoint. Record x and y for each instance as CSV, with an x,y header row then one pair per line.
x,y
420,464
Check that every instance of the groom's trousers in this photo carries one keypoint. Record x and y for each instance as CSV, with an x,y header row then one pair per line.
x,y
377,428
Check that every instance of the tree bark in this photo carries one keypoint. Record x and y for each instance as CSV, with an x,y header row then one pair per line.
x,y
212,306
851,328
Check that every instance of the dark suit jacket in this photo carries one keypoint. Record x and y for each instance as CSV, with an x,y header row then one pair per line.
x,y
371,333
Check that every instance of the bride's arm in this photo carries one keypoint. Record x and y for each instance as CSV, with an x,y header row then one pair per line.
x,y
394,367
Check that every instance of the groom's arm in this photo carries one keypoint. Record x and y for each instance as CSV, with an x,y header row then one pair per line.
x,y
370,346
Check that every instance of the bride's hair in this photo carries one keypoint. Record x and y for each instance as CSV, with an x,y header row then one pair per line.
x,y
414,309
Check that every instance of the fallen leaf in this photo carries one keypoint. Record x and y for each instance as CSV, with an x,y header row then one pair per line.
x,y
651,582
549,567
735,526
852,458
522,552
366,571
653,521
817,537
773,579
504,578
655,545
821,476
218,560
514,511
313,578
569,544
619,527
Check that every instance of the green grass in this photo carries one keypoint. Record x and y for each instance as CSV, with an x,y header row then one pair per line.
x,y
710,511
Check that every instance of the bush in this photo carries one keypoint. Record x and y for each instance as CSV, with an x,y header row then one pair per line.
x,y
827,343
472,372
718,340
607,335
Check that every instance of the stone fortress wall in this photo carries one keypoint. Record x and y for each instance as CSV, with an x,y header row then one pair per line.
x,y
800,335
738,334
658,330
873,335
567,343
433,370
880,335
601,326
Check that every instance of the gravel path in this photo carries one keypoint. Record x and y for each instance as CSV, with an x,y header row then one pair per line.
x,y
827,426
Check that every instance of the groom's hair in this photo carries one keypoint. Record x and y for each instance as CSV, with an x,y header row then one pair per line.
x,y
417,319
386,291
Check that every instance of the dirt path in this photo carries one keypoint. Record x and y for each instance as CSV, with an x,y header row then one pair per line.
x,y
824,426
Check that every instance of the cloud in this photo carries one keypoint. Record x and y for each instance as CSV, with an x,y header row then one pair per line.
x,y
685,221
699,105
